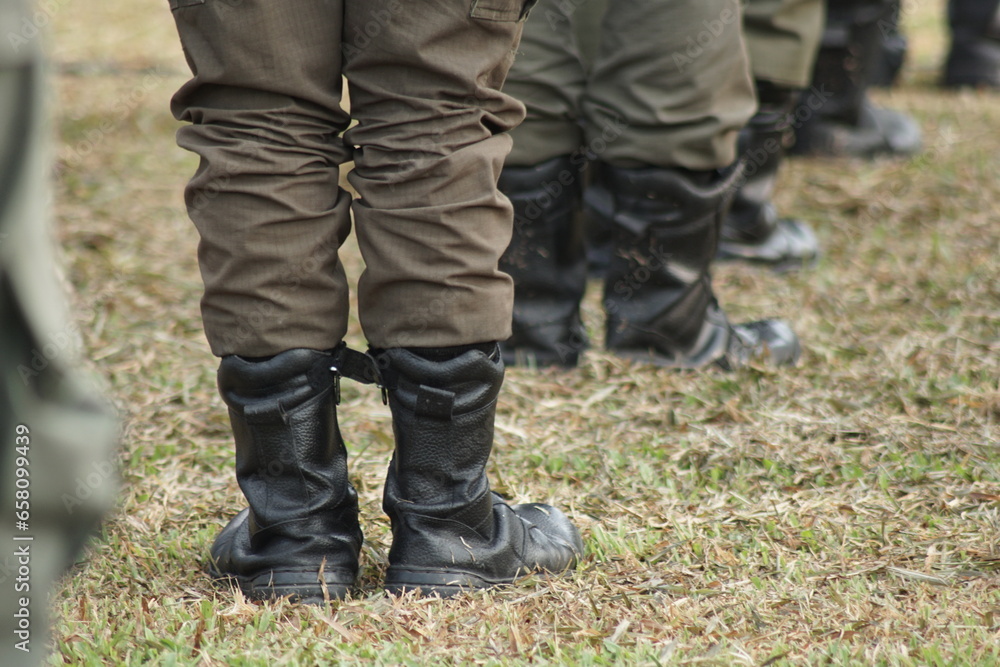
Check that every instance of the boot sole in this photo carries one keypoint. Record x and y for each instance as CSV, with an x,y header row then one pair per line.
x,y
296,585
788,264
442,583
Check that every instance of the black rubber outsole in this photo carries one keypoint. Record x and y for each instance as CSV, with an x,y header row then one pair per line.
x,y
296,585
440,583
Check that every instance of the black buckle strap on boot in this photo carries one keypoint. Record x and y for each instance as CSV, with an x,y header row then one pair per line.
x,y
752,230
450,532
658,290
547,262
300,535
358,366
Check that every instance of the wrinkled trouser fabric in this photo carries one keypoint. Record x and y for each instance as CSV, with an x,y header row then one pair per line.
x,y
668,86
783,37
428,145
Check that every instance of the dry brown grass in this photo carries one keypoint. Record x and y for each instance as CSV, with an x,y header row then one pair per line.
x,y
843,512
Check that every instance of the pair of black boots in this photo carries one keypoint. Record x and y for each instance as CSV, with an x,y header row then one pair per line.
x,y
659,230
300,535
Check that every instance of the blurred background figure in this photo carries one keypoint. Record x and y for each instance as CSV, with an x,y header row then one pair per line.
x,y
782,39
852,57
864,46
634,108
974,57
56,469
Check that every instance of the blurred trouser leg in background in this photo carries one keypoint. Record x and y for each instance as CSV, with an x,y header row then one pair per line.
x,y
974,57
56,433
782,39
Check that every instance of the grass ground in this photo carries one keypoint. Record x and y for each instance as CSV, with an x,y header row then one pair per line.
x,y
843,512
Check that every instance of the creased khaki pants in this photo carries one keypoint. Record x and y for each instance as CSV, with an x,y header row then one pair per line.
x,y
783,38
664,83
428,145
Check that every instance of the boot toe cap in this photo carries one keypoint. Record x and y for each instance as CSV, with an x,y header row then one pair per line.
x,y
310,578
766,341
792,244
550,528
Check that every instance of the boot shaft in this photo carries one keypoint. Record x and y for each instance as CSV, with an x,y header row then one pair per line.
x,y
547,262
848,55
450,533
975,17
548,235
443,412
658,290
762,144
291,462
974,57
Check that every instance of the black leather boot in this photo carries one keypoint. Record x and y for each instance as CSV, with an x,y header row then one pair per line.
x,y
974,58
658,290
598,210
752,230
845,122
893,48
450,532
300,535
546,260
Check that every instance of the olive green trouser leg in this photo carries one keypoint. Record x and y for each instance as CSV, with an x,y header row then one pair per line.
x,y
783,37
431,223
267,122
669,85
